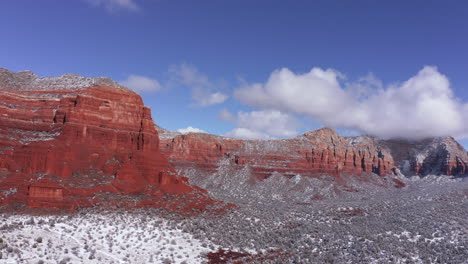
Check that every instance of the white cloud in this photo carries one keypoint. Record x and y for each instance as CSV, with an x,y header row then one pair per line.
x,y
316,93
423,106
190,129
211,99
115,5
204,91
225,115
245,133
140,83
261,124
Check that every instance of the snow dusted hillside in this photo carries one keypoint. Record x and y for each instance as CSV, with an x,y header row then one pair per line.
x,y
424,222
432,156
97,238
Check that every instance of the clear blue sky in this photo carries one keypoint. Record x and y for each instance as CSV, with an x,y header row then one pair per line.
x,y
197,49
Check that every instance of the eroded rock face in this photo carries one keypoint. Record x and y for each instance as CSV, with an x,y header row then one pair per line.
x,y
435,156
318,152
72,141
314,153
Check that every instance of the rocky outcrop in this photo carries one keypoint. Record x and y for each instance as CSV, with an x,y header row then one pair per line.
x,y
312,154
434,156
318,152
71,141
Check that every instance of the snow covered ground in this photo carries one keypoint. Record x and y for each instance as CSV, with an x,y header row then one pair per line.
x,y
97,238
424,222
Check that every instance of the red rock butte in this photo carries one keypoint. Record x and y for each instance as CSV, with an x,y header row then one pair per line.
x,y
70,142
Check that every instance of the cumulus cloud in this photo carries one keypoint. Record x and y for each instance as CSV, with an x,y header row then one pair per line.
x,y
261,124
225,115
245,133
141,84
210,98
423,106
115,5
204,91
190,129
317,92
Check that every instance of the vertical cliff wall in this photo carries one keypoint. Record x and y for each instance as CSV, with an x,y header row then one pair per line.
x,y
72,141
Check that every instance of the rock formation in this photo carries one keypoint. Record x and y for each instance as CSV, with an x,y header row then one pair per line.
x,y
71,141
318,152
434,156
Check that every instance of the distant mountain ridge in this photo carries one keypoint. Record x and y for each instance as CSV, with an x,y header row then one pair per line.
x,y
326,152
433,156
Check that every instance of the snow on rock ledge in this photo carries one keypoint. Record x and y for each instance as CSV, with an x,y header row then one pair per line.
x,y
29,81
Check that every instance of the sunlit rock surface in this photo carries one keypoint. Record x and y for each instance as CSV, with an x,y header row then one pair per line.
x,y
69,142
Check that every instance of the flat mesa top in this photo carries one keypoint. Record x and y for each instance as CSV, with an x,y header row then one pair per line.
x,y
29,81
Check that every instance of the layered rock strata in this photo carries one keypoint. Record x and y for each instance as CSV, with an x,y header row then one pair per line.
x,y
318,152
314,153
71,141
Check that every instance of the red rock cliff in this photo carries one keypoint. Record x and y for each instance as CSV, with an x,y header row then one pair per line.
x,y
71,141
318,152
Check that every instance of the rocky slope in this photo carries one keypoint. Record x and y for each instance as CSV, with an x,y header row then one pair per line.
x,y
317,152
316,165
215,162
68,142
434,156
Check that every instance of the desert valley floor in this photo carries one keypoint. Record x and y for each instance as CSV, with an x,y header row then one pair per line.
x,y
424,222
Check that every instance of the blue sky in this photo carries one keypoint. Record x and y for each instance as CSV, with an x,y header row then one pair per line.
x,y
260,69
